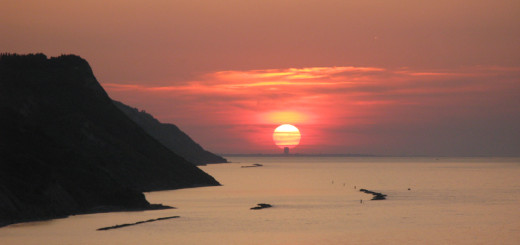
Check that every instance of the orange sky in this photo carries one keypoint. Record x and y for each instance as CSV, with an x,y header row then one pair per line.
x,y
381,77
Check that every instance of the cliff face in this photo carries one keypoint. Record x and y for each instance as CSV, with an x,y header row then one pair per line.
x,y
171,137
65,148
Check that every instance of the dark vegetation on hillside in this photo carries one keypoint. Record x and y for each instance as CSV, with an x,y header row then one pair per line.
x,y
65,148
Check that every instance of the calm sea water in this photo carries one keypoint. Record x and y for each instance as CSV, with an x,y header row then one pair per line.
x,y
317,201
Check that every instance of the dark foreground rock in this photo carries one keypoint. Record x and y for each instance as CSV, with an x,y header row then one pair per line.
x,y
261,206
65,148
376,195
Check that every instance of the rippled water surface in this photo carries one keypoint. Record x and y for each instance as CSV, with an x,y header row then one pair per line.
x,y
316,200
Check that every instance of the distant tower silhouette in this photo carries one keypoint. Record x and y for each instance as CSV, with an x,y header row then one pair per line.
x,y
286,150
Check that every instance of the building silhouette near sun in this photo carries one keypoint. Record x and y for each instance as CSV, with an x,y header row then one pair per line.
x,y
286,150
286,136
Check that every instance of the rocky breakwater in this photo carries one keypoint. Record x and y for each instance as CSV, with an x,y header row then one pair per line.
x,y
376,195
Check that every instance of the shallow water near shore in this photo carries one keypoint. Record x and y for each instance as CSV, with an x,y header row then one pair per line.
x,y
316,200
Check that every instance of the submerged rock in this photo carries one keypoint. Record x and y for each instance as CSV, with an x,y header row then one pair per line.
x,y
261,206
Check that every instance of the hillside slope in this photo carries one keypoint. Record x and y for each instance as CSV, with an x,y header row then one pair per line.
x,y
171,137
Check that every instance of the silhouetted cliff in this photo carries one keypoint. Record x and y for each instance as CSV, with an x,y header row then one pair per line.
x,y
171,137
65,148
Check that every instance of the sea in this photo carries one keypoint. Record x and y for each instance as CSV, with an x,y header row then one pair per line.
x,y
315,200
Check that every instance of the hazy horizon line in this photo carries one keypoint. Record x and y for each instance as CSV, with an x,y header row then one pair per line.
x,y
361,155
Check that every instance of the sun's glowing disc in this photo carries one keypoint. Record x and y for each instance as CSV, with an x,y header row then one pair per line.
x,y
286,135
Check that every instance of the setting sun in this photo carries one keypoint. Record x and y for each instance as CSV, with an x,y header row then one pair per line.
x,y
286,135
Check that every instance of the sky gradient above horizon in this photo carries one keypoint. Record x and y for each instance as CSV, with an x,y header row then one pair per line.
x,y
371,77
